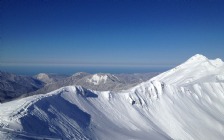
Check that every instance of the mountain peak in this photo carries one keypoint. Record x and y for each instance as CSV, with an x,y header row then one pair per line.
x,y
197,57
195,68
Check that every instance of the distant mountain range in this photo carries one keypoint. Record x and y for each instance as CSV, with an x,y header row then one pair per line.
x,y
15,86
99,81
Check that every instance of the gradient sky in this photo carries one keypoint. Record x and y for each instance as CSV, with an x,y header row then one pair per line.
x,y
110,32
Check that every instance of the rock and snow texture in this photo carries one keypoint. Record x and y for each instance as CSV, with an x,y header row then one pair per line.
x,y
50,78
185,103
13,86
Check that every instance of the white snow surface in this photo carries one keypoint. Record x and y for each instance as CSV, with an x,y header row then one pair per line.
x,y
96,79
184,103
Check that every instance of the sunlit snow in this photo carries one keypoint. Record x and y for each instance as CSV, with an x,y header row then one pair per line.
x,y
185,103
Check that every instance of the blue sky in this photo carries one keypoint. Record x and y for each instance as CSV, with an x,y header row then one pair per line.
x,y
110,32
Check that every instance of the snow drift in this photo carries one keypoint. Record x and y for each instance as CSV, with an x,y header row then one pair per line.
x,y
186,103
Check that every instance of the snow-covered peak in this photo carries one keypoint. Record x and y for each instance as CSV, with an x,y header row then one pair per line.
x,y
197,58
193,69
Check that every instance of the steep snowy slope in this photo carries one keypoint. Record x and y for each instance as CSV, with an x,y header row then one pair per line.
x,y
184,103
74,112
190,99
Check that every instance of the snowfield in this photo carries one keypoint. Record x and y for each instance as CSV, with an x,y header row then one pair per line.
x,y
96,79
184,103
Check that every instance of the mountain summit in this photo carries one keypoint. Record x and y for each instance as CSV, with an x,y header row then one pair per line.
x,y
195,68
197,57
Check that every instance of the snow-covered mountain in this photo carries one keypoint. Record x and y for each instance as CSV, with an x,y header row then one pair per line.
x,y
197,68
12,86
185,103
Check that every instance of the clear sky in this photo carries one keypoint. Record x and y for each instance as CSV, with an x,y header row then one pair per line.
x,y
110,32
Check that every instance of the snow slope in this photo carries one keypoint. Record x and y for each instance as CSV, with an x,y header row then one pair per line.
x,y
185,103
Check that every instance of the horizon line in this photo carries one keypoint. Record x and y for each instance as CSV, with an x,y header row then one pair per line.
x,y
89,64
